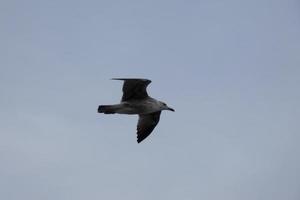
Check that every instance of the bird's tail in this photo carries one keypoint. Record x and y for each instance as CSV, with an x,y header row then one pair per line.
x,y
106,109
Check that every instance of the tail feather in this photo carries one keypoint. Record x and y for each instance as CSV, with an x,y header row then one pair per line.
x,y
106,109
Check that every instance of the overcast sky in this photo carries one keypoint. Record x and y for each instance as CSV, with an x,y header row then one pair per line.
x,y
231,69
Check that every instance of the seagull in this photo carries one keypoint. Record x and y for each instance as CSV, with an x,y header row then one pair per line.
x,y
135,101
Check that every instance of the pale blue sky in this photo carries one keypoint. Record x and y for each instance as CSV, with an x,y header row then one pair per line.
x,y
231,69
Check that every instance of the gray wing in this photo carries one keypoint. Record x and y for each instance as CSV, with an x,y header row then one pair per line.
x,y
146,125
134,88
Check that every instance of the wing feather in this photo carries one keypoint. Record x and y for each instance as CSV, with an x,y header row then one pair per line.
x,y
134,88
146,125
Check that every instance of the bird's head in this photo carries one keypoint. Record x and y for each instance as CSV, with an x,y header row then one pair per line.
x,y
164,106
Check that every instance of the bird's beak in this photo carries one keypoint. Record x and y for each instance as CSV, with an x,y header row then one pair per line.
x,y
171,109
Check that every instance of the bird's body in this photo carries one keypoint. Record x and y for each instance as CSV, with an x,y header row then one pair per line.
x,y
135,100
134,107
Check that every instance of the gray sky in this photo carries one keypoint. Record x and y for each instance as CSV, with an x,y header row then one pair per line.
x,y
231,69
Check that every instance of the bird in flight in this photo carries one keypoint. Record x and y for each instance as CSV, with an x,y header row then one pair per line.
x,y
135,101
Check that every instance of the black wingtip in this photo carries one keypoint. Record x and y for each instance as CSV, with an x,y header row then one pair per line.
x,y
139,139
135,79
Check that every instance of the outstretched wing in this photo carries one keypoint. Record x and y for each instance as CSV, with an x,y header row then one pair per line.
x,y
134,88
146,124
